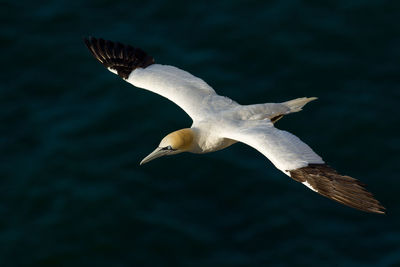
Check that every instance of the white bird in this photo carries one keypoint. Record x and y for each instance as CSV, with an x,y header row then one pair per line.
x,y
219,122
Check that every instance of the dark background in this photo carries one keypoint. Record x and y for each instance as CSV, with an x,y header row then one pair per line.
x,y
72,134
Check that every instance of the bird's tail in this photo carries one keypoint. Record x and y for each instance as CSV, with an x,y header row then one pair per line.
x,y
297,104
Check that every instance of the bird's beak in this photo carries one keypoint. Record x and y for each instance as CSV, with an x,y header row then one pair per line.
x,y
158,152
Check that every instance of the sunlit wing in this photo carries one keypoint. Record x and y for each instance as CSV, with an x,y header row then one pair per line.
x,y
138,68
297,160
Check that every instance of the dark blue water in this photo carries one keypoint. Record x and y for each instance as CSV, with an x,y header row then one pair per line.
x,y
72,134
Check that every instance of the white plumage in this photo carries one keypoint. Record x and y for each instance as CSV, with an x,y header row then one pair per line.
x,y
207,109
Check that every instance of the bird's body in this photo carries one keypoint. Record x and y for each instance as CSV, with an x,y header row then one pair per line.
x,y
219,122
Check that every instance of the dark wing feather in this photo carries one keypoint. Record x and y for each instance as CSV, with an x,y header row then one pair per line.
x,y
343,189
116,56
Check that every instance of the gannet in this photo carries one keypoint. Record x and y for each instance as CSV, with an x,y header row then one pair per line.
x,y
219,122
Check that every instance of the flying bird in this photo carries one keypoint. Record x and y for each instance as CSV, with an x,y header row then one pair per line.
x,y
219,122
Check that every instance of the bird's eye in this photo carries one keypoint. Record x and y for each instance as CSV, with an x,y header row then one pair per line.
x,y
167,148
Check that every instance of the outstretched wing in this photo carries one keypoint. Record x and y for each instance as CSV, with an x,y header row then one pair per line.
x,y
136,67
297,160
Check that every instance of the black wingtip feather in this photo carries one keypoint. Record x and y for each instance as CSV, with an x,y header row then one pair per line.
x,y
119,57
343,189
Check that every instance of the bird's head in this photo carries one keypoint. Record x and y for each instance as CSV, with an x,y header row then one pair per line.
x,y
174,143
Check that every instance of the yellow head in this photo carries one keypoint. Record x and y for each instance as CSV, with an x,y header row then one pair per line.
x,y
174,143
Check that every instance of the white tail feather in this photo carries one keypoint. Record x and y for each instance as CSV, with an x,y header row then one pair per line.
x,y
297,104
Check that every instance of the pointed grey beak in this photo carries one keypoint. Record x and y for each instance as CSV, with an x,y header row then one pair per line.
x,y
158,152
